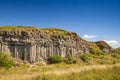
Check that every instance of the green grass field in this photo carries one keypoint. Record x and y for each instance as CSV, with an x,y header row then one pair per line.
x,y
94,67
98,73
65,72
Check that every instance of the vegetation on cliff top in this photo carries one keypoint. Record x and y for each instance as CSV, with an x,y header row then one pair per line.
x,y
28,27
48,31
9,28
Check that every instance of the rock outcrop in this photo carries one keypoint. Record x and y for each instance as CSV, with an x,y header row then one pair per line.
x,y
33,44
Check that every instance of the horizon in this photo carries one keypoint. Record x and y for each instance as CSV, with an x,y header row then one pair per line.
x,y
93,20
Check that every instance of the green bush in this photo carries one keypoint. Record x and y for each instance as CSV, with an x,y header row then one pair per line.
x,y
102,62
114,62
96,51
6,60
84,57
54,59
69,60
115,55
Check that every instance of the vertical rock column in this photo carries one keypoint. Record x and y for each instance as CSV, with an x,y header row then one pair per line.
x,y
0,46
63,51
37,52
50,51
5,48
32,53
25,53
16,51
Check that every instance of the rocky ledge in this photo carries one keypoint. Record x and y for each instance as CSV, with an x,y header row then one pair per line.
x,y
36,44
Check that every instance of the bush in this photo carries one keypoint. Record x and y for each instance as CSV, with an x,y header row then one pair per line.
x,y
69,60
115,55
114,62
102,62
54,59
6,60
84,57
96,51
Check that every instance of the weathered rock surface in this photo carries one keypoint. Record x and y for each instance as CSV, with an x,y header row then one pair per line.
x,y
33,45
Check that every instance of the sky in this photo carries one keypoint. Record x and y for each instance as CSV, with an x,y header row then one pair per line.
x,y
93,20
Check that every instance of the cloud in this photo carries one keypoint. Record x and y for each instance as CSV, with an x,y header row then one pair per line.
x,y
112,43
89,36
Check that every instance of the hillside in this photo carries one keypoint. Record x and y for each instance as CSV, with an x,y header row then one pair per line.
x,y
117,50
37,44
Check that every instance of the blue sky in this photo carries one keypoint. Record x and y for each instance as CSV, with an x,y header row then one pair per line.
x,y
92,19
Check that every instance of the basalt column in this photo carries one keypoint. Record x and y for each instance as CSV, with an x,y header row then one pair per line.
x,y
32,53
35,44
0,46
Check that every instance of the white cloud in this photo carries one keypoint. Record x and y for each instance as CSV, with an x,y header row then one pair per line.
x,y
112,43
89,36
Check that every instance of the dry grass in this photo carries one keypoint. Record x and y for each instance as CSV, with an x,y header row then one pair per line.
x,y
22,73
95,72
35,72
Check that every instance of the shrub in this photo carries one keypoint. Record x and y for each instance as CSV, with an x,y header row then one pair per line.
x,y
84,57
114,62
6,60
96,51
101,62
69,60
54,59
114,55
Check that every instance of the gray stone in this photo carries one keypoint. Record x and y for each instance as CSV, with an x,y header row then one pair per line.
x,y
34,45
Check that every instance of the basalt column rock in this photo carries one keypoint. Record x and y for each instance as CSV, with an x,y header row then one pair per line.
x,y
34,45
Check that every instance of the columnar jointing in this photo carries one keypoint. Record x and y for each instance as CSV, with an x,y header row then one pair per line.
x,y
34,52
35,45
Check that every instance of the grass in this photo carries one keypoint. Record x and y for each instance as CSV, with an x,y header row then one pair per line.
x,y
11,28
96,72
61,71
56,32
97,67
50,31
102,59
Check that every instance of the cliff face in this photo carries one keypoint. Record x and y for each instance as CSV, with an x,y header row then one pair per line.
x,y
33,45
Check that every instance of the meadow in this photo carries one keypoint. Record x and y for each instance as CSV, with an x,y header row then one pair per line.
x,y
95,67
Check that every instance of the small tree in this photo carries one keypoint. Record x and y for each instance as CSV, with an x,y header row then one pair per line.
x,y
54,59
6,60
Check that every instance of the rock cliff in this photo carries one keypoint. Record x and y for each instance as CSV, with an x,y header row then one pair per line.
x,y
35,44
